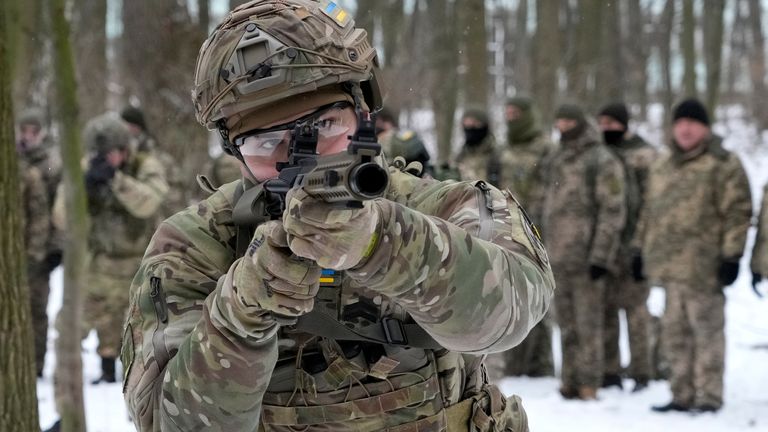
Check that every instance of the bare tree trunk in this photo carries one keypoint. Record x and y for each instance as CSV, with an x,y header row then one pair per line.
x,y
69,368
688,47
521,56
18,400
757,67
475,42
637,46
713,50
610,66
546,56
393,20
738,56
665,54
203,16
442,15
90,38
365,16
27,49
160,41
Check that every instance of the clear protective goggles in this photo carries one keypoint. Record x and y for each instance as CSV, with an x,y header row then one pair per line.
x,y
330,121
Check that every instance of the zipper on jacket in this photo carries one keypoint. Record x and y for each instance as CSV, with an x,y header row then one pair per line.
x,y
158,299
486,210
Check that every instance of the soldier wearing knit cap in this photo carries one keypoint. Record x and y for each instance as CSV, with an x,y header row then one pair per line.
x,y
692,233
584,212
626,290
479,156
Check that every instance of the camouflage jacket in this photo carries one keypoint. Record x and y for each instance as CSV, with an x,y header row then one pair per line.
x,y
697,212
480,162
636,156
45,159
194,360
759,263
36,214
584,212
124,218
521,171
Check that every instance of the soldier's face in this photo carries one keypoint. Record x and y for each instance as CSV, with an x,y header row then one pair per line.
x,y
607,123
344,123
689,133
564,124
30,135
512,113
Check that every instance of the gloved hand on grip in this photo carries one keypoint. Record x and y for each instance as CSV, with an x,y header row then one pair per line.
x,y
271,278
335,238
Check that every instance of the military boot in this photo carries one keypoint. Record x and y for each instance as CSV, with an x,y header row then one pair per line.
x,y
587,393
107,371
611,380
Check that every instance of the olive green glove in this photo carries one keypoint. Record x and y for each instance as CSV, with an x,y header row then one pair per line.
x,y
271,278
335,238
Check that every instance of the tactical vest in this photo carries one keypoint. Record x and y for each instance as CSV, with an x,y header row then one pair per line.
x,y
359,362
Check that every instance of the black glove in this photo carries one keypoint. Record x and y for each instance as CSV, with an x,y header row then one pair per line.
x,y
99,173
52,260
728,272
637,268
756,278
596,272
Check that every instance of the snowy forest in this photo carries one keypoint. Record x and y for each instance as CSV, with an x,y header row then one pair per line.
x,y
75,59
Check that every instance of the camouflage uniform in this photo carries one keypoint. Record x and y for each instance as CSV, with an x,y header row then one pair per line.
x,y
123,217
480,162
584,213
697,213
429,278
192,359
36,216
44,160
521,172
759,263
623,291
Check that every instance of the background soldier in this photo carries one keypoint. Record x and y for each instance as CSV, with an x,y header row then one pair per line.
x,y
38,155
125,189
584,213
626,290
404,143
145,143
411,297
36,217
478,158
521,172
692,235
759,263
225,169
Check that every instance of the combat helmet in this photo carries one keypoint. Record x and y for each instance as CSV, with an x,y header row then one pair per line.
x,y
267,54
106,132
31,117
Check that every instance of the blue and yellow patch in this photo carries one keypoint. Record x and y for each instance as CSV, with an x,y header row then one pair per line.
x,y
330,278
335,12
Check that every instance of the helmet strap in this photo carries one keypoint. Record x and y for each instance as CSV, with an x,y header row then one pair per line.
x,y
230,148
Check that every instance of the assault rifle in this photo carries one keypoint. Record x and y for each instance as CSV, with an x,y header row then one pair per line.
x,y
344,179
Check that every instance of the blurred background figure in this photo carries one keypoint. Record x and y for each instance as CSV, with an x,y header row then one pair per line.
x,y
692,234
627,290
478,158
584,213
401,142
40,166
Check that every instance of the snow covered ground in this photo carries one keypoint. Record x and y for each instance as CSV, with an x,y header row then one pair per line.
x,y
746,376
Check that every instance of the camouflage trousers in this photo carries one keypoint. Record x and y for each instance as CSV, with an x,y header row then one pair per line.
x,y
533,357
39,290
106,301
578,299
623,292
693,331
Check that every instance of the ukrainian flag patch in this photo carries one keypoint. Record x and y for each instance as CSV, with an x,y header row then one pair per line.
x,y
335,12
